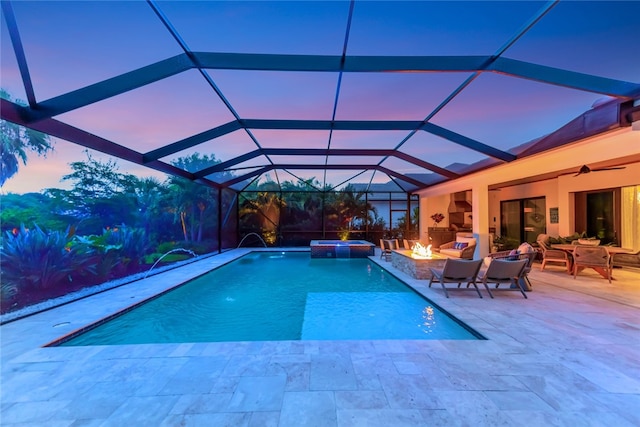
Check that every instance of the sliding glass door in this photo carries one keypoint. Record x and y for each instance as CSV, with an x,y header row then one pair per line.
x,y
522,220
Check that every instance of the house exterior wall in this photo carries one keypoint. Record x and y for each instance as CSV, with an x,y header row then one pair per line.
x,y
547,189
623,144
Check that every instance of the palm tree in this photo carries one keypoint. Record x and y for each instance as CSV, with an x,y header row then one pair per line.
x,y
192,200
149,192
16,142
264,210
353,207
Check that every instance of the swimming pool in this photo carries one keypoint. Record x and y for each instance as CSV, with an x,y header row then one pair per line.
x,y
271,296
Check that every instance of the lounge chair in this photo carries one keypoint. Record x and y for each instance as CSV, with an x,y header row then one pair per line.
x,y
386,247
463,247
524,251
457,271
596,257
503,271
409,243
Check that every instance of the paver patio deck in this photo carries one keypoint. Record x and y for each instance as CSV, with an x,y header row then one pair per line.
x,y
567,356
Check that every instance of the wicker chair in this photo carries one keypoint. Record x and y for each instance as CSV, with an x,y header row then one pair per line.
x,y
554,256
596,257
626,260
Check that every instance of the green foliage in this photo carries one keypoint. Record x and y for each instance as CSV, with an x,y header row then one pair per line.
x,y
30,209
93,179
197,247
261,211
34,259
8,291
100,196
349,210
192,202
121,246
15,142
133,241
165,247
412,231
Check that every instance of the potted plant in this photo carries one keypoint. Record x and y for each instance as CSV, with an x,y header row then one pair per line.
x,y
437,218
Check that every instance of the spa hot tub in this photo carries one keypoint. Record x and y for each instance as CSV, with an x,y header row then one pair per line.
x,y
342,249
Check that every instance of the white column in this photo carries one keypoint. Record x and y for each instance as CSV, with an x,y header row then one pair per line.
x,y
480,202
424,220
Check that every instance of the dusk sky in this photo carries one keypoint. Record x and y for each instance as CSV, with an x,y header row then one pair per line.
x,y
70,45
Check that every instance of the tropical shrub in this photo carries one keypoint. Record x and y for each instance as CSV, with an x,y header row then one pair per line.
x,y
117,250
165,247
35,259
134,244
7,291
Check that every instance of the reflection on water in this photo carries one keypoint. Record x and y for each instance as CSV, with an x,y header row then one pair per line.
x,y
429,320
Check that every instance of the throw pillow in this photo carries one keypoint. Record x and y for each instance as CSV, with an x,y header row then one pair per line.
x,y
525,248
460,245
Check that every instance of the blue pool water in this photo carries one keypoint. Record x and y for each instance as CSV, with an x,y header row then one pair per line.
x,y
270,296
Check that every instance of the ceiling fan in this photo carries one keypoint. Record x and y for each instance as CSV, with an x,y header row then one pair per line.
x,y
586,169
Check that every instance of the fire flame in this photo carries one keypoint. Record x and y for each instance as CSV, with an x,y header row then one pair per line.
x,y
420,251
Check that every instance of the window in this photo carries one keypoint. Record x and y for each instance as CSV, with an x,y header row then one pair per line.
x,y
522,220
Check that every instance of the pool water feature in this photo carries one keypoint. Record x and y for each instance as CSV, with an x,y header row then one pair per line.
x,y
341,249
271,296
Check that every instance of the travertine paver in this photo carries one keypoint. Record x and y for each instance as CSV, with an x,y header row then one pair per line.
x,y
567,356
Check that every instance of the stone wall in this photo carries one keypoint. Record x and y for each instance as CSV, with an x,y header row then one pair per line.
x,y
416,268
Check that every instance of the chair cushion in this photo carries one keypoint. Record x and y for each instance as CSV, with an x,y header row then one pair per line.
x,y
456,253
468,240
460,245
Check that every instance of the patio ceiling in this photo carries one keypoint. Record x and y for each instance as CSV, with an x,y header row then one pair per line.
x,y
416,93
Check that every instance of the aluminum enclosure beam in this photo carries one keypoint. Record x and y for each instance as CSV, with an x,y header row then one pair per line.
x,y
329,125
220,167
15,114
322,167
319,63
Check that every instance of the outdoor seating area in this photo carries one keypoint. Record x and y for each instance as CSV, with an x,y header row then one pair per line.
x,y
513,272
515,266
463,247
586,253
